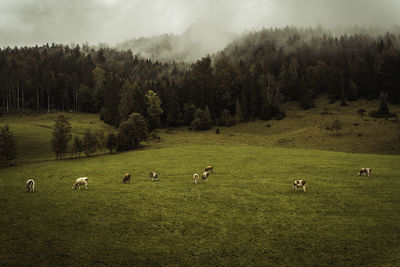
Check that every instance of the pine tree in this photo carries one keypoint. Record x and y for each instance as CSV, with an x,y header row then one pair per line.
x,y
132,132
154,109
112,142
238,114
61,136
8,145
89,143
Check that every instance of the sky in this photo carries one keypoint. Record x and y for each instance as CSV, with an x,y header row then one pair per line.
x,y
31,22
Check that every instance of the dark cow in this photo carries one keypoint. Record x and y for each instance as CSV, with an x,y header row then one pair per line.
x,y
299,183
209,169
30,185
365,171
154,176
127,178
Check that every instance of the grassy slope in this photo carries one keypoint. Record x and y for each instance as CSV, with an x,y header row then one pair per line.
x,y
246,214
33,133
307,129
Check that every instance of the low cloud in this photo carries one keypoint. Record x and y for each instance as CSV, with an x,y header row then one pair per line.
x,y
30,22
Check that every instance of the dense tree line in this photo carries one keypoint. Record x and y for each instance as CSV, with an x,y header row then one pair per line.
x,y
247,80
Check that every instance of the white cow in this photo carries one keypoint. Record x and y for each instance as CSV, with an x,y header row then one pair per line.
x,y
79,182
30,185
205,176
195,178
154,176
299,183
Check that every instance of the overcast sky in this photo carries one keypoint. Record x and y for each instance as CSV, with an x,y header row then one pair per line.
x,y
30,22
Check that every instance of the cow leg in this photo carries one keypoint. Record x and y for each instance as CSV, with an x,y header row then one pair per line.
x,y
304,188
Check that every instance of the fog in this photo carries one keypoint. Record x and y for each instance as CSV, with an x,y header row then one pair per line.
x,y
31,22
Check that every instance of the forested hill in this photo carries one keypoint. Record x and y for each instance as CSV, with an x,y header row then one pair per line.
x,y
249,79
197,41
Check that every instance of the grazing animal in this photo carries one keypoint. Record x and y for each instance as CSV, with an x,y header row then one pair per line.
x,y
127,178
30,185
154,176
205,176
299,183
195,178
209,169
365,171
79,182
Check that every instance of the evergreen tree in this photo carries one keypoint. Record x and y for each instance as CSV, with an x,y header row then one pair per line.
x,y
132,132
77,147
112,142
89,143
153,109
8,145
238,114
61,136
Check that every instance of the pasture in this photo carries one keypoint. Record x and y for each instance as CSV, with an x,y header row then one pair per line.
x,y
247,214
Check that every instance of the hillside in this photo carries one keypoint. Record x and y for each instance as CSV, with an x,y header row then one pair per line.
x,y
299,129
33,133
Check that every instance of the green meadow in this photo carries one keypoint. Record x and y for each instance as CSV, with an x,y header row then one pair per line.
x,y
247,214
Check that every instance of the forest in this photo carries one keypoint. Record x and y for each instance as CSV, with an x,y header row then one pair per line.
x,y
247,80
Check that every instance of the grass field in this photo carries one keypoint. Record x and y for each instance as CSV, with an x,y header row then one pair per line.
x,y
246,214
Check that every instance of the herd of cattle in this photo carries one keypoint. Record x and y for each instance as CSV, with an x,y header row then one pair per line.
x,y
30,184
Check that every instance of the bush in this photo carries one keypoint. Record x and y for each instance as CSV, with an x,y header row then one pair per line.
x,y
202,119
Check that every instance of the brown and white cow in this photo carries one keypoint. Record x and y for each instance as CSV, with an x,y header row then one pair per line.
x,y
365,171
195,178
79,182
209,169
299,183
127,178
154,176
30,185
205,176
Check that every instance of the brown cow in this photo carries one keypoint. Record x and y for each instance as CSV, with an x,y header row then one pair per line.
x,y
127,178
209,169
366,171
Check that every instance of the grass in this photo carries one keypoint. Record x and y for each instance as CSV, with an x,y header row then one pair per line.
x,y
246,214
33,133
306,129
